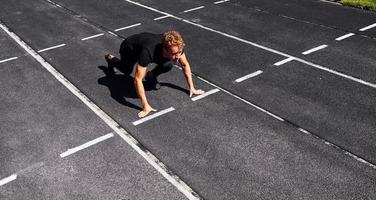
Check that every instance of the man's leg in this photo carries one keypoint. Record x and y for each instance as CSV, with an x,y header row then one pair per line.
x,y
125,64
112,62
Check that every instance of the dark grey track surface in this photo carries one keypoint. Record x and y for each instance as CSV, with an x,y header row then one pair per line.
x,y
220,146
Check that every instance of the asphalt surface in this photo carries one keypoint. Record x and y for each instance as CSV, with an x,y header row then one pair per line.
x,y
304,129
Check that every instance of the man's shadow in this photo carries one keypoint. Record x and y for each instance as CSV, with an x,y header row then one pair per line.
x,y
122,86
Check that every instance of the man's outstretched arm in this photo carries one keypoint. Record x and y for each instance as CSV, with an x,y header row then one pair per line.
x,y
139,75
188,76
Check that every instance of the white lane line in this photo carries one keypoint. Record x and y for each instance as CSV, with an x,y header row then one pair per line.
x,y
248,76
204,95
339,148
49,48
241,99
137,146
337,73
159,18
9,59
217,2
345,36
155,115
127,27
315,49
8,179
193,9
368,27
86,145
259,46
93,36
284,61
300,129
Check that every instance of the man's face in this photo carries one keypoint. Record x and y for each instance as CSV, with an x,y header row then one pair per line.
x,y
173,52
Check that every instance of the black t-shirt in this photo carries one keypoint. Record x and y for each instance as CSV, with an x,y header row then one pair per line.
x,y
146,47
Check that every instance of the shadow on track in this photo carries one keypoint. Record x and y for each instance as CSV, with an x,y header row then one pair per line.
x,y
121,86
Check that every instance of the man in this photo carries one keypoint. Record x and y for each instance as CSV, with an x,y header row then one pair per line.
x,y
141,50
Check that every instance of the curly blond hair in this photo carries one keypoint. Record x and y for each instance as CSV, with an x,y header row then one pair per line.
x,y
172,38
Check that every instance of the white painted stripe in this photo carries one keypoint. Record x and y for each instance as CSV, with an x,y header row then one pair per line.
x,y
54,47
204,95
197,8
112,33
260,46
339,148
9,59
155,115
284,61
217,2
248,76
241,99
345,36
315,49
94,36
8,179
304,131
86,145
138,147
368,27
300,129
337,73
127,27
159,18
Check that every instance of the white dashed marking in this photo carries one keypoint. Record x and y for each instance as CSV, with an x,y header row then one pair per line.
x,y
193,9
8,179
127,27
86,145
345,36
205,94
49,48
315,49
248,76
217,2
159,18
9,59
283,61
93,36
368,27
155,115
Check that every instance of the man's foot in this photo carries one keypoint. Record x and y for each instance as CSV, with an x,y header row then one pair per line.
x,y
108,57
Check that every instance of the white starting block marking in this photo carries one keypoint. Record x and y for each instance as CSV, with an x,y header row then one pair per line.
x,y
205,94
368,27
315,49
9,59
284,61
248,76
8,179
345,36
93,36
86,145
49,48
152,116
127,27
